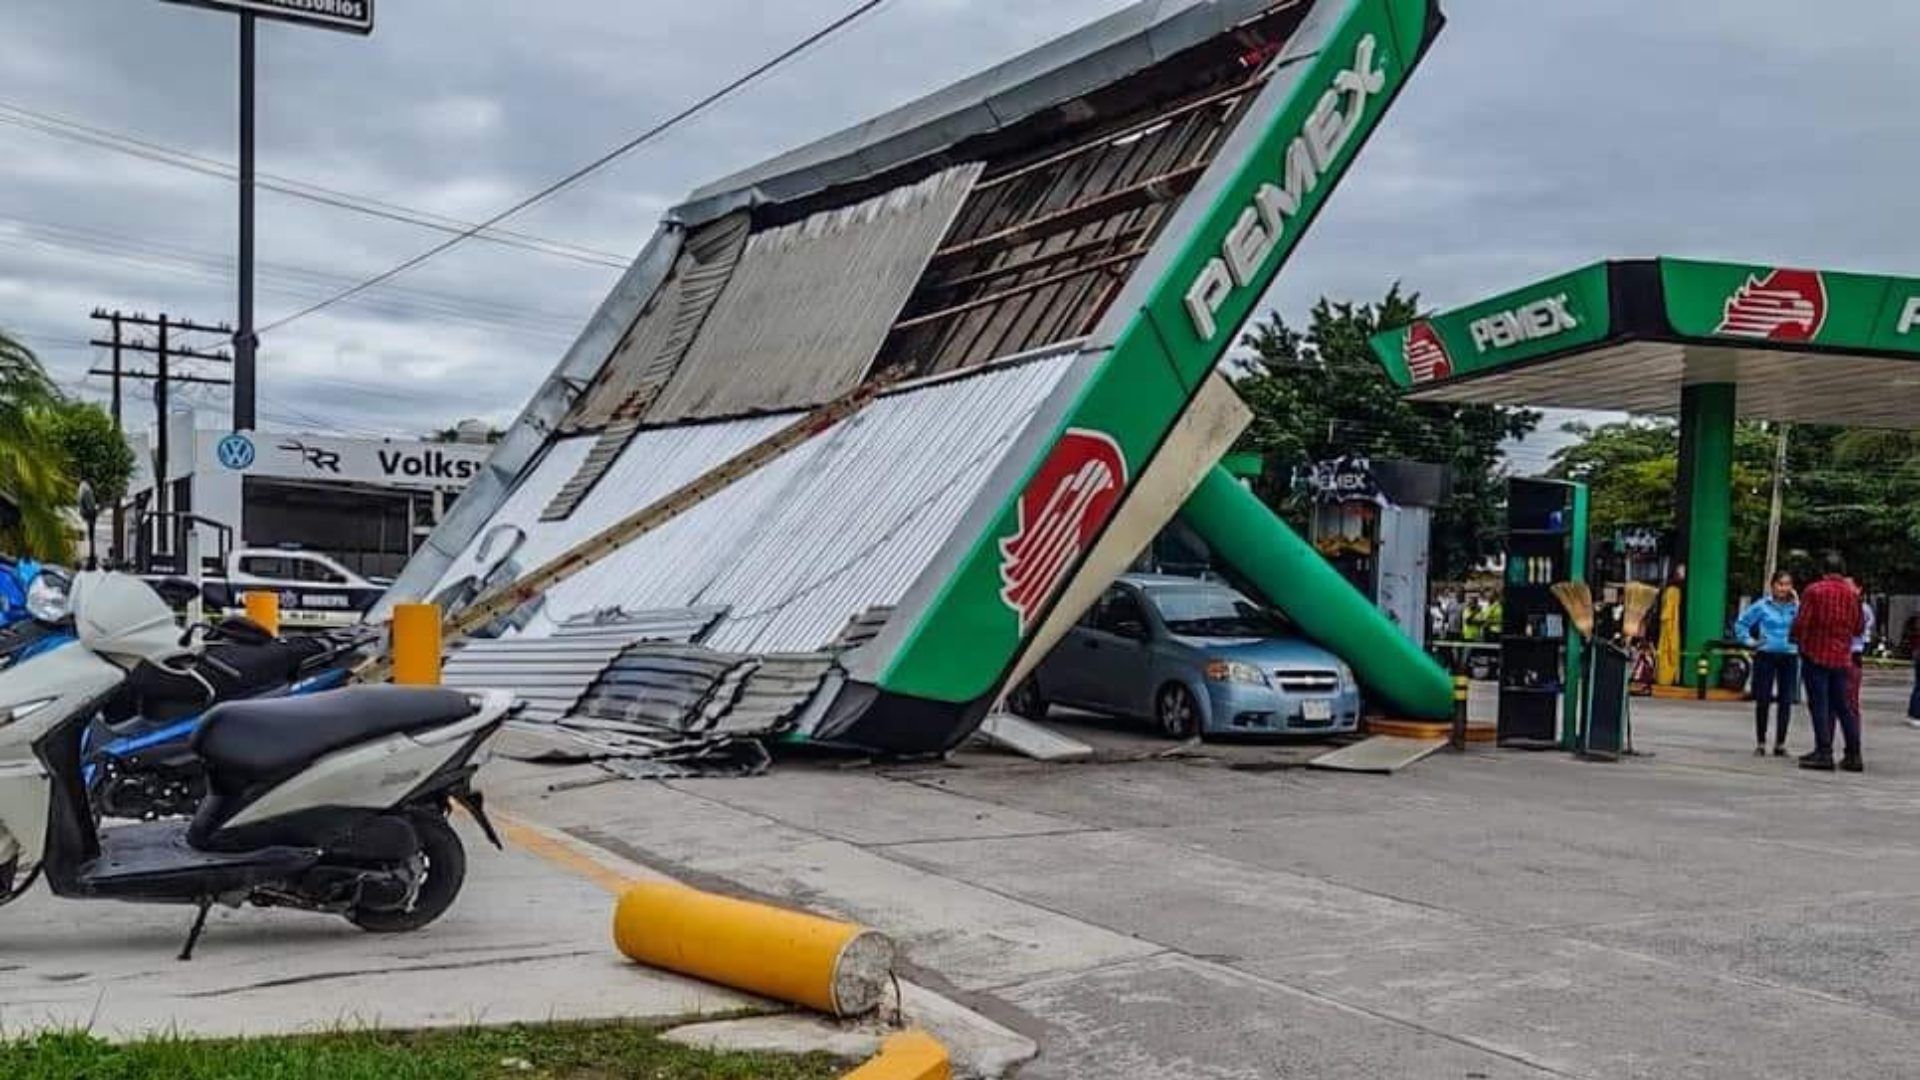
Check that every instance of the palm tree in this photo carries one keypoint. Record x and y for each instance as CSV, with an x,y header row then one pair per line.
x,y
33,476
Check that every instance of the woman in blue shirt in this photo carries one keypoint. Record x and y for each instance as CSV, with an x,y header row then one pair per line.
x,y
1766,625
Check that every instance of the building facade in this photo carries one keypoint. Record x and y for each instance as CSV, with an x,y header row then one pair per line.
x,y
367,502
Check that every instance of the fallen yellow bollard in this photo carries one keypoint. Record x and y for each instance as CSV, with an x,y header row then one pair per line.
x,y
910,1055
834,967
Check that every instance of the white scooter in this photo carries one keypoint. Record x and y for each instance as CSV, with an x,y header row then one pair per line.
x,y
334,802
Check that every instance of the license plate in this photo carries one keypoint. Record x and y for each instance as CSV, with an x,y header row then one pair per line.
x,y
1316,710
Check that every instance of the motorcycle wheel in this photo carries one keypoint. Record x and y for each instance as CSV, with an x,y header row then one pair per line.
x,y
446,869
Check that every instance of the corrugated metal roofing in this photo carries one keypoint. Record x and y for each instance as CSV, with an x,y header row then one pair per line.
x,y
551,673
794,551
654,345
809,304
688,689
681,625
1128,41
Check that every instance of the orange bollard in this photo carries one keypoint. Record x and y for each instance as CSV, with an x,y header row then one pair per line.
x,y
263,608
416,644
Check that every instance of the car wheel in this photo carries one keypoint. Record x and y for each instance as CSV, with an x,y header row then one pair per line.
x,y
1177,714
1025,701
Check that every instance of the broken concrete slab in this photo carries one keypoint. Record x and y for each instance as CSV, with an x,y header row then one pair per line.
x,y
1028,739
1381,754
785,1033
980,1048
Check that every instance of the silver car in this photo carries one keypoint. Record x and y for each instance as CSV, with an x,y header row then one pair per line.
x,y
1196,658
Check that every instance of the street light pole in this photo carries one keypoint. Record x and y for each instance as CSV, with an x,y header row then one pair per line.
x,y
243,338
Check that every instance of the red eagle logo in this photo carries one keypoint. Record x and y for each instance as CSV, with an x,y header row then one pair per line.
x,y
1786,305
1063,507
1426,356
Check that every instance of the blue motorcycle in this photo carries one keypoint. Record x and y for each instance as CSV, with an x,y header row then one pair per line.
x,y
33,609
136,756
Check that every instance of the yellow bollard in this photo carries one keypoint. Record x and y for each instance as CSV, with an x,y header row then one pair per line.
x,y
830,966
263,608
909,1055
416,644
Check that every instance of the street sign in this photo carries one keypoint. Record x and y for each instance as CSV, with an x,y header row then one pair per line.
x,y
352,16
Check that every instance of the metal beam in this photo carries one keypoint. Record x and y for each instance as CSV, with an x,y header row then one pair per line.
x,y
1161,188
1020,290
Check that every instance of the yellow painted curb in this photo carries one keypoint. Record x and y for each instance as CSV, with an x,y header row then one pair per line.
x,y
1426,729
561,852
1690,693
835,967
910,1055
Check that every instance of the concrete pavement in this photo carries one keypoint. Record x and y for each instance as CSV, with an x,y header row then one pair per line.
x,y
1702,913
524,942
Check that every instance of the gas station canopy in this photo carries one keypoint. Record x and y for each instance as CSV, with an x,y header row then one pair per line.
x,y
1814,346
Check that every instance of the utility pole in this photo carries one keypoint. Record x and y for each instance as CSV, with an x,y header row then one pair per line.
x,y
164,351
243,338
1773,515
119,505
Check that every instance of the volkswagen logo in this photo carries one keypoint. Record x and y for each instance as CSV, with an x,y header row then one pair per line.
x,y
235,451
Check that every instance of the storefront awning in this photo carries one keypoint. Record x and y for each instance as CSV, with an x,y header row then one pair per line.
x,y
1801,345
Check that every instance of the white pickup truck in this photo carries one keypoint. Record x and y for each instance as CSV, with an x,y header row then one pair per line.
x,y
315,590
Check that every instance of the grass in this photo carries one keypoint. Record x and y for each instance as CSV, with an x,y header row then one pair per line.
x,y
526,1052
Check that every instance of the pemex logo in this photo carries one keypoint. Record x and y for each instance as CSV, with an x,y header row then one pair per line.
x,y
1785,305
1061,510
1425,354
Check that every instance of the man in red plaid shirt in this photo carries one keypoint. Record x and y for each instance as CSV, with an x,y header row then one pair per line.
x,y
1829,620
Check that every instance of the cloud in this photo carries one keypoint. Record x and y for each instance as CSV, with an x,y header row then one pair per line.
x,y
1536,138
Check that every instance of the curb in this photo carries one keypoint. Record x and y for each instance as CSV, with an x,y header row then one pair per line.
x,y
910,1055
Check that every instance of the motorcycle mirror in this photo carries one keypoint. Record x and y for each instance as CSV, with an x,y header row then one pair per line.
x,y
177,592
89,504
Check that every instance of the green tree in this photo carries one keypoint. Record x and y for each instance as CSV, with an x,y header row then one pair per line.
x,y
95,452
33,476
1321,394
1856,492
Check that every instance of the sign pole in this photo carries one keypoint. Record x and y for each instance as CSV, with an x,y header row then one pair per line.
x,y
243,338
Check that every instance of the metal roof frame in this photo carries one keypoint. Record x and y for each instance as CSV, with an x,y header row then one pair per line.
x,y
1059,71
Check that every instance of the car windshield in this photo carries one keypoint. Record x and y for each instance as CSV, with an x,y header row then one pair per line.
x,y
1214,613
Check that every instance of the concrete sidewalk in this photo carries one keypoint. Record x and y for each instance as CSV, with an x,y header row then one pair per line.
x,y
526,941
1702,913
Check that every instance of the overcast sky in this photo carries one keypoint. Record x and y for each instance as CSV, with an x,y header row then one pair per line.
x,y
1537,137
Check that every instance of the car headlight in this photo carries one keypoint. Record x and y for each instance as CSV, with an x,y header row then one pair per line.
x,y
1235,671
1347,681
47,597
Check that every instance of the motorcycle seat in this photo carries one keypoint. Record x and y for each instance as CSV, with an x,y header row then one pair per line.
x,y
246,742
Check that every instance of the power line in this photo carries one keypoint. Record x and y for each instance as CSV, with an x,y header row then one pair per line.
x,y
132,146
593,166
286,280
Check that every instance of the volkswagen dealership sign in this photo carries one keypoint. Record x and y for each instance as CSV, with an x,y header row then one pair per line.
x,y
353,16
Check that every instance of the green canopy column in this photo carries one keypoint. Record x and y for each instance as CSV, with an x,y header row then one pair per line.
x,y
1706,514
1295,579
